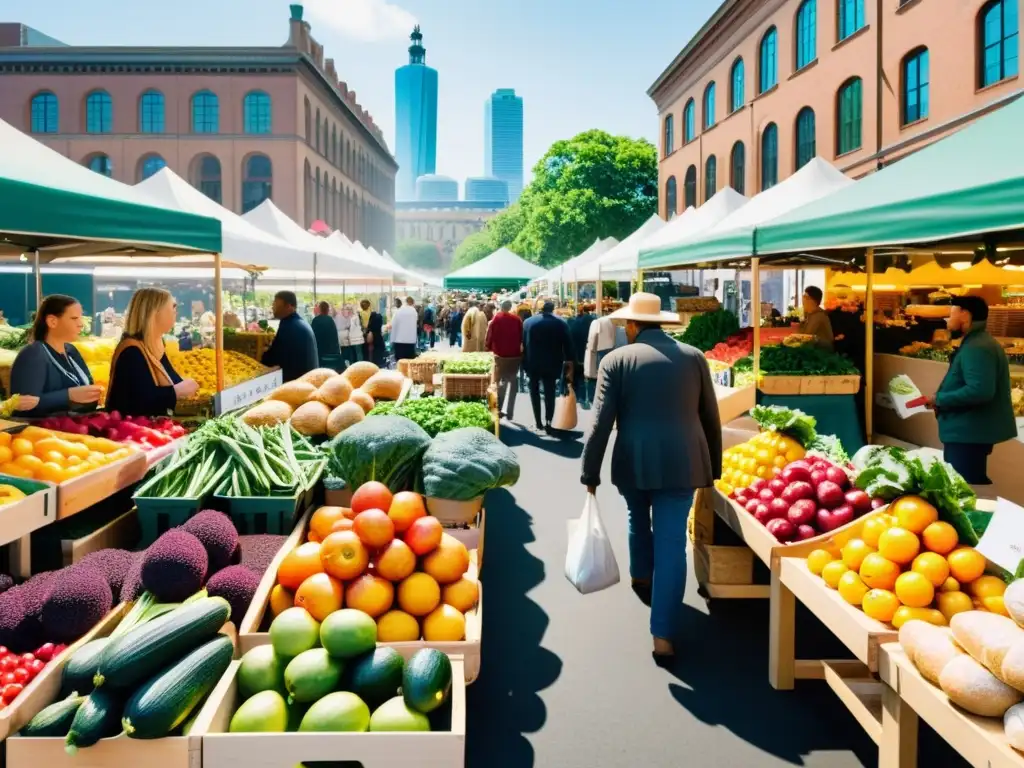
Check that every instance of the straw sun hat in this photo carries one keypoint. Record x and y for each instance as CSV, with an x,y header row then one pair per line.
x,y
644,308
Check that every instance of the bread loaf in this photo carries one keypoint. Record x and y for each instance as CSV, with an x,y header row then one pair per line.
x,y
970,686
987,637
1012,668
1013,726
1013,601
928,647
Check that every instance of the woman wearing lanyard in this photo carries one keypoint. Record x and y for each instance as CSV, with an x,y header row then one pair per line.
x,y
50,368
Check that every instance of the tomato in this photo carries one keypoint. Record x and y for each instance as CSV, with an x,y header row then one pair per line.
x,y
11,692
21,675
28,657
7,678
45,651
8,663
36,667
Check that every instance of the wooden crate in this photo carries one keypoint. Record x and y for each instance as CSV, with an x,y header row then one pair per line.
x,y
842,385
780,385
20,519
422,370
121,533
723,565
460,386
93,487
455,512
437,749
812,385
472,537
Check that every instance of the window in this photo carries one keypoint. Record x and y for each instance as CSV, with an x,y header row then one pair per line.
x,y
151,112
806,145
736,86
710,178
848,116
258,181
998,29
915,85
670,197
334,145
206,177
99,112
806,33
205,112
256,112
316,137
768,61
669,136
851,17
100,164
309,122
148,165
709,105
769,157
738,167
689,122
690,188
45,113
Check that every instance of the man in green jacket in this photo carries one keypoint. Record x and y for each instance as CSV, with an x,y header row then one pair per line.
x,y
973,403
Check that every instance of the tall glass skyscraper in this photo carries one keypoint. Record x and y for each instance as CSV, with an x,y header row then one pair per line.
x,y
415,119
503,139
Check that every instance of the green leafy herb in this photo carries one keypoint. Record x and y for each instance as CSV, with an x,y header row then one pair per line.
x,y
790,422
437,415
470,363
830,446
706,330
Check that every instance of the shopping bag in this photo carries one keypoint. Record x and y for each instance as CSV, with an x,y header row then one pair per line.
x,y
589,561
565,410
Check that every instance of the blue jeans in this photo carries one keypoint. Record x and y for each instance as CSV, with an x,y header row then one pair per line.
x,y
659,554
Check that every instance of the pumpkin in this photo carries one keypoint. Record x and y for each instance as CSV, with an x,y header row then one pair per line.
x,y
310,418
358,373
295,393
363,400
384,385
335,391
318,376
267,414
343,417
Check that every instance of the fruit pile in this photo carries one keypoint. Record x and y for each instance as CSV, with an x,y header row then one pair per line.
x,y
17,670
734,348
145,432
43,454
384,550
907,564
759,457
9,494
201,365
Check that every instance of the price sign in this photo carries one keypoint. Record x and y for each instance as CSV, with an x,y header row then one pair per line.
x,y
247,393
1003,540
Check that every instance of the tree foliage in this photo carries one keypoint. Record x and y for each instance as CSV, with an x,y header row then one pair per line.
x,y
418,254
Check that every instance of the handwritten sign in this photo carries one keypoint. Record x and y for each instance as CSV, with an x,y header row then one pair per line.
x,y
247,393
1003,540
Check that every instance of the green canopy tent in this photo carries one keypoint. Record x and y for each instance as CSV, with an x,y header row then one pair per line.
x,y
502,270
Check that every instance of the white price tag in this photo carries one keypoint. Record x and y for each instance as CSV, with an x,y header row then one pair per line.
x,y
248,392
1003,540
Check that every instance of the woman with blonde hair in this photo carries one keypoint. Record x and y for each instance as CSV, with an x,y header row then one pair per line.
x,y
142,380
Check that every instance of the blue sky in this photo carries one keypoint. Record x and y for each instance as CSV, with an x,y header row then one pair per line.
x,y
578,64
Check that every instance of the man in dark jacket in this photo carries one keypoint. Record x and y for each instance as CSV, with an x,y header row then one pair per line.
x,y
548,350
579,330
373,330
326,333
294,346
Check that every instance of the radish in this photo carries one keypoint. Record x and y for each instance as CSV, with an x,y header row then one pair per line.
x,y
830,495
859,500
843,514
878,503
796,472
825,521
837,476
804,532
752,505
818,476
763,513
766,495
779,507
798,490
802,512
781,529
778,485
758,484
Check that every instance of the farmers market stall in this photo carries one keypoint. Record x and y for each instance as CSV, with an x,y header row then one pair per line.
x,y
502,270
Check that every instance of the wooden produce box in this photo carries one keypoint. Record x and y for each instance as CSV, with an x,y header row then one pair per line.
x,y
437,749
19,519
472,536
780,385
93,487
842,385
121,533
459,386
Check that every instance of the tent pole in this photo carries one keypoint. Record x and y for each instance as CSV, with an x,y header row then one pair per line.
x,y
38,278
869,344
218,322
598,294
755,300
314,277
342,293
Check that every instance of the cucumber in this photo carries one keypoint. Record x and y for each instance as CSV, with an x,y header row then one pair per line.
x,y
137,656
427,680
166,701
54,720
99,717
81,667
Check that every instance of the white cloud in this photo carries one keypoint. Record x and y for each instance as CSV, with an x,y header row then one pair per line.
x,y
363,20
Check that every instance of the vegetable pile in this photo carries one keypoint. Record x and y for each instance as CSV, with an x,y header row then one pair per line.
x,y
43,454
799,361
734,348
436,415
707,330
385,448
201,365
147,433
470,362
18,670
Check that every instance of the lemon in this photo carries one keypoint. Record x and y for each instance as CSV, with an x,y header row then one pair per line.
x,y
987,586
966,564
880,604
872,529
851,588
898,545
950,585
817,560
995,604
952,603
905,613
854,553
933,567
914,590
832,572
879,573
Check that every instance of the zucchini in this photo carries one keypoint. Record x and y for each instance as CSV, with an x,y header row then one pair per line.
x,y
167,700
137,656
81,667
54,720
99,717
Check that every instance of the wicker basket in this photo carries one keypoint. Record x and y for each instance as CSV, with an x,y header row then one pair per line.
x,y
195,406
422,371
403,367
249,344
462,386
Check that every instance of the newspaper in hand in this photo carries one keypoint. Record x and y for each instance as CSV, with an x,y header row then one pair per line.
x,y
906,397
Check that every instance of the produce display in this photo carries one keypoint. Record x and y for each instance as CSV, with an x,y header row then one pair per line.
x,y
785,360
97,354
470,362
707,330
12,338
201,365
438,415
36,453
10,494
465,463
142,431
17,670
734,348
8,406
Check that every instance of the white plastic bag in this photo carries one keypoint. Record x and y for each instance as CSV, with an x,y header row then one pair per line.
x,y
590,562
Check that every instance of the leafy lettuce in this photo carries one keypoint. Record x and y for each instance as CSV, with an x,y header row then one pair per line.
x,y
787,421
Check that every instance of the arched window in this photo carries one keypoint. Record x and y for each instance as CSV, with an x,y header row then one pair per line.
x,y
334,145
851,17
257,181
256,109
690,188
307,199
768,61
151,112
99,112
689,122
998,28
45,113
848,116
769,157
709,105
915,86
670,197
148,165
333,213
670,139
316,138
736,86
806,144
308,121
326,142
738,167
710,177
205,112
205,175
316,195
101,164
806,33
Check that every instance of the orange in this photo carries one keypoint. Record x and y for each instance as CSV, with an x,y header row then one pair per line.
x,y
851,588
51,473
419,594
397,627
817,560
321,595
370,594
880,604
298,565
854,553
33,433
73,461
406,507
873,529
987,586
966,564
374,528
449,561
311,536
72,449
879,573
833,572
940,537
21,446
444,625
322,520
343,555
14,470
55,456
44,446
345,524
461,594
5,439
396,561
950,585
424,535
914,589
899,545
905,613
952,603
995,604
933,567
5,453
28,461
280,599
913,513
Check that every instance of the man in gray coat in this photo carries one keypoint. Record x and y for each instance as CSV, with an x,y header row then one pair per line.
x,y
669,444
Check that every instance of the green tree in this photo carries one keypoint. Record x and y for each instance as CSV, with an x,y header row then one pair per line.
x,y
477,246
418,254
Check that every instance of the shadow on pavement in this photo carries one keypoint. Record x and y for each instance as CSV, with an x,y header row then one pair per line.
x,y
561,443
503,704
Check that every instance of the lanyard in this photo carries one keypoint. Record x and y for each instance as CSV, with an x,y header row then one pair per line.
x,y
80,378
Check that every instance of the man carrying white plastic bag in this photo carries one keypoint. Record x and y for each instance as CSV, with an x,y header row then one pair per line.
x,y
590,562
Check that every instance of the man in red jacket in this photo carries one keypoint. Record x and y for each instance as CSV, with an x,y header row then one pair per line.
x,y
505,340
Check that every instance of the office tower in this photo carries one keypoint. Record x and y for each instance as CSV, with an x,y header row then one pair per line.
x,y
436,189
415,118
486,189
503,139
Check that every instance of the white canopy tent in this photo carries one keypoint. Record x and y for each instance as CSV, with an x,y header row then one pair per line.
x,y
621,260
696,221
566,271
425,280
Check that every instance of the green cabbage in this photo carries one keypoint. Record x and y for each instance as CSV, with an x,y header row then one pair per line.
x,y
465,463
385,448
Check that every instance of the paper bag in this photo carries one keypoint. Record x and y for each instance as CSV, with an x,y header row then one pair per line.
x,y
565,411
589,561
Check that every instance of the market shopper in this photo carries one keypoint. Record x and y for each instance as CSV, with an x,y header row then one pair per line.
x,y
294,346
455,325
350,335
603,336
325,332
973,404
669,443
547,351
373,329
50,375
816,322
142,380
405,330
474,329
505,340
429,315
